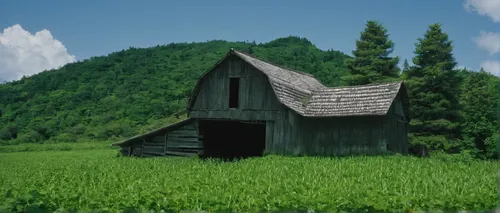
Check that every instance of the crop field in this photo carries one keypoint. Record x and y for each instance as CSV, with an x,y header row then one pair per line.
x,y
83,180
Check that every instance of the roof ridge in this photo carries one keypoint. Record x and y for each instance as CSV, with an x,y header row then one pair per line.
x,y
292,70
358,86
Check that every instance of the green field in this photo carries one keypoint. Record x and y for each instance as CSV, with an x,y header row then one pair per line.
x,y
33,147
81,180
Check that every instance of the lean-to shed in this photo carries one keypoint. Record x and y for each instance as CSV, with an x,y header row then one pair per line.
x,y
244,106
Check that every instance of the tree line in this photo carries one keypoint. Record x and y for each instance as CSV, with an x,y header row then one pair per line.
x,y
452,110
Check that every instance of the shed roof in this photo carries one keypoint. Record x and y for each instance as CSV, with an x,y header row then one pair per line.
x,y
305,95
153,132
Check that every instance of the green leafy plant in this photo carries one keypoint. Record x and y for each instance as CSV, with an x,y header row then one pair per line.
x,y
96,180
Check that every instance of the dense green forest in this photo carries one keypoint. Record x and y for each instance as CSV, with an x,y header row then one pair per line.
x,y
131,91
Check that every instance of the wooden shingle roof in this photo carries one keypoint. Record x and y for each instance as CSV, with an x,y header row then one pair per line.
x,y
305,95
373,99
291,87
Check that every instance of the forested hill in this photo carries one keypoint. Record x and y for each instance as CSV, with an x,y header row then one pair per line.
x,y
131,91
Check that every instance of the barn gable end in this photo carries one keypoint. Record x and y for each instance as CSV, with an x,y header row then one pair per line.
x,y
255,98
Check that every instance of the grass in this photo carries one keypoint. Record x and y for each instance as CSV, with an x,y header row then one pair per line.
x,y
33,147
86,180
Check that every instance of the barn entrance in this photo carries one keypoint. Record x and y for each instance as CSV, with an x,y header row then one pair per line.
x,y
232,139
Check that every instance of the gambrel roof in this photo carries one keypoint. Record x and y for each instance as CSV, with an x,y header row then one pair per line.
x,y
305,95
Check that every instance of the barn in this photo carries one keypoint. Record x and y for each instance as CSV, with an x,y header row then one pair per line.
x,y
245,107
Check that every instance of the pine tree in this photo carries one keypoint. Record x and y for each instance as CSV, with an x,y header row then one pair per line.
x,y
480,102
371,62
432,86
406,68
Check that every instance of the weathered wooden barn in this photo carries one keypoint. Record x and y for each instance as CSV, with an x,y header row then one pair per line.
x,y
244,106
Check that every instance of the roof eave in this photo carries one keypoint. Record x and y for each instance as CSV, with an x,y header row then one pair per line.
x,y
141,136
346,115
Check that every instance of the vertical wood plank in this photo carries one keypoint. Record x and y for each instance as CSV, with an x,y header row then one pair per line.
x,y
142,149
269,136
256,92
165,144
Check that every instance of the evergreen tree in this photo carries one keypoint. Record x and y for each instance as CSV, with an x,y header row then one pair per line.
x,y
432,85
480,102
406,68
371,62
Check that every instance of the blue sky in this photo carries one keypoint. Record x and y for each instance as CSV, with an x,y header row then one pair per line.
x,y
92,28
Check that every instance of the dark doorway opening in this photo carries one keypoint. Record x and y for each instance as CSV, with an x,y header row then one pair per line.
x,y
231,140
234,92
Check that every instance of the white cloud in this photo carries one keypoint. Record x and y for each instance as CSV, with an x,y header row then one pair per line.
x,y
490,8
492,67
23,53
488,41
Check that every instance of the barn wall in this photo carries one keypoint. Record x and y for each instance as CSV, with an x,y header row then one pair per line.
x,y
137,148
124,150
397,131
295,135
257,100
245,115
280,134
184,141
153,145
343,136
181,140
133,148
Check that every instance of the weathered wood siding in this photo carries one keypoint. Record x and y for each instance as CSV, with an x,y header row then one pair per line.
x,y
397,127
257,100
296,135
184,141
134,148
125,150
245,115
180,140
137,149
153,145
281,134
